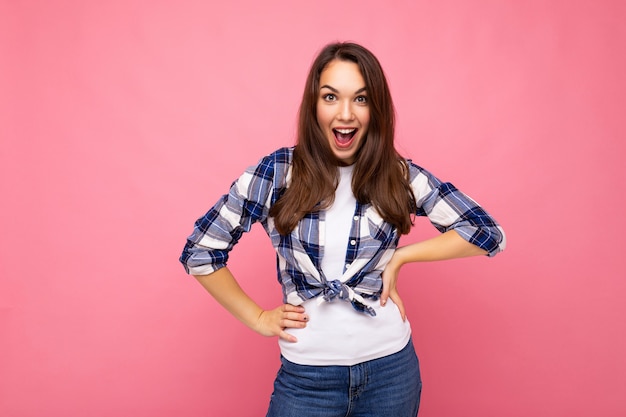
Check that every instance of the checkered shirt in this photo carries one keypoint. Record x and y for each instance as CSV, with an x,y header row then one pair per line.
x,y
299,254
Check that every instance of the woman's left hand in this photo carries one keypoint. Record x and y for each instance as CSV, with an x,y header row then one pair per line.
x,y
390,279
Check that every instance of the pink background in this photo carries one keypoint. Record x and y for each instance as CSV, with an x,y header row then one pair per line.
x,y
121,122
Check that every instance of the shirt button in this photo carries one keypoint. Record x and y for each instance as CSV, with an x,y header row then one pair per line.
x,y
347,266
353,242
356,218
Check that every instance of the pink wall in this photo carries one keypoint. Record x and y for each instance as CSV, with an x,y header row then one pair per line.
x,y
122,121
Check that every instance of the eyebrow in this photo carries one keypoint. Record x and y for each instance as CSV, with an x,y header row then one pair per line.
x,y
334,90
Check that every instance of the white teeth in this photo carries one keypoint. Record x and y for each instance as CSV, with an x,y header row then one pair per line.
x,y
345,131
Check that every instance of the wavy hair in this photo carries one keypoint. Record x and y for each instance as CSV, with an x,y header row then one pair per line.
x,y
380,175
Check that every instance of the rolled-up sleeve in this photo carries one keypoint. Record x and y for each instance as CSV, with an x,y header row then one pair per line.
x,y
447,208
216,233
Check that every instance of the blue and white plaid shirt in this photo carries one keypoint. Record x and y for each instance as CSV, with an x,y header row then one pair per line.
x,y
299,254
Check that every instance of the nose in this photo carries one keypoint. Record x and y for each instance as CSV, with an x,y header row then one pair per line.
x,y
345,111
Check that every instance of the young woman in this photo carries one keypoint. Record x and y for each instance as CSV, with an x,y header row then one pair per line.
x,y
334,207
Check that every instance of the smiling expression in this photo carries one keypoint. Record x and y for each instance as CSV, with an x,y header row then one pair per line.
x,y
343,111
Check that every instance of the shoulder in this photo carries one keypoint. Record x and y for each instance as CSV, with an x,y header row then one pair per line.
x,y
280,156
421,180
270,168
414,170
278,160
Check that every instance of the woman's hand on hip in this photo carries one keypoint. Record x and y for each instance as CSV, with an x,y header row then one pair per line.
x,y
390,280
275,322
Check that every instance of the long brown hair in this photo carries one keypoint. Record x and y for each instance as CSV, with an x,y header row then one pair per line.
x,y
380,175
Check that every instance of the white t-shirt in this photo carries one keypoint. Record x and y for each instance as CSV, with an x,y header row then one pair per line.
x,y
337,334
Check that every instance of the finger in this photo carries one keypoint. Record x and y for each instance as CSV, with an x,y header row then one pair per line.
x,y
295,316
383,300
294,324
292,308
395,296
288,337
384,295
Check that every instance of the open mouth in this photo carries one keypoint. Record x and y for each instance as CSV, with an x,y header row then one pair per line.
x,y
343,137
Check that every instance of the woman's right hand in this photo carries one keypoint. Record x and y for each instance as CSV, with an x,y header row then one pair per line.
x,y
275,322
224,288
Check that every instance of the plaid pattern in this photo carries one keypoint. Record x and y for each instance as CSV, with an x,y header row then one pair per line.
x,y
299,254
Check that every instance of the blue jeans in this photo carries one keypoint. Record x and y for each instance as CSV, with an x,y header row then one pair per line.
x,y
388,386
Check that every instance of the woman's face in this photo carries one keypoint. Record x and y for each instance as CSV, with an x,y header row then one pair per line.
x,y
343,111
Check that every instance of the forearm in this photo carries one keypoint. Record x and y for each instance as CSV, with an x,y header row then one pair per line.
x,y
448,245
224,288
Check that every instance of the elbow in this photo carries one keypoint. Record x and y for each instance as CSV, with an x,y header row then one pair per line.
x,y
491,239
503,240
497,241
